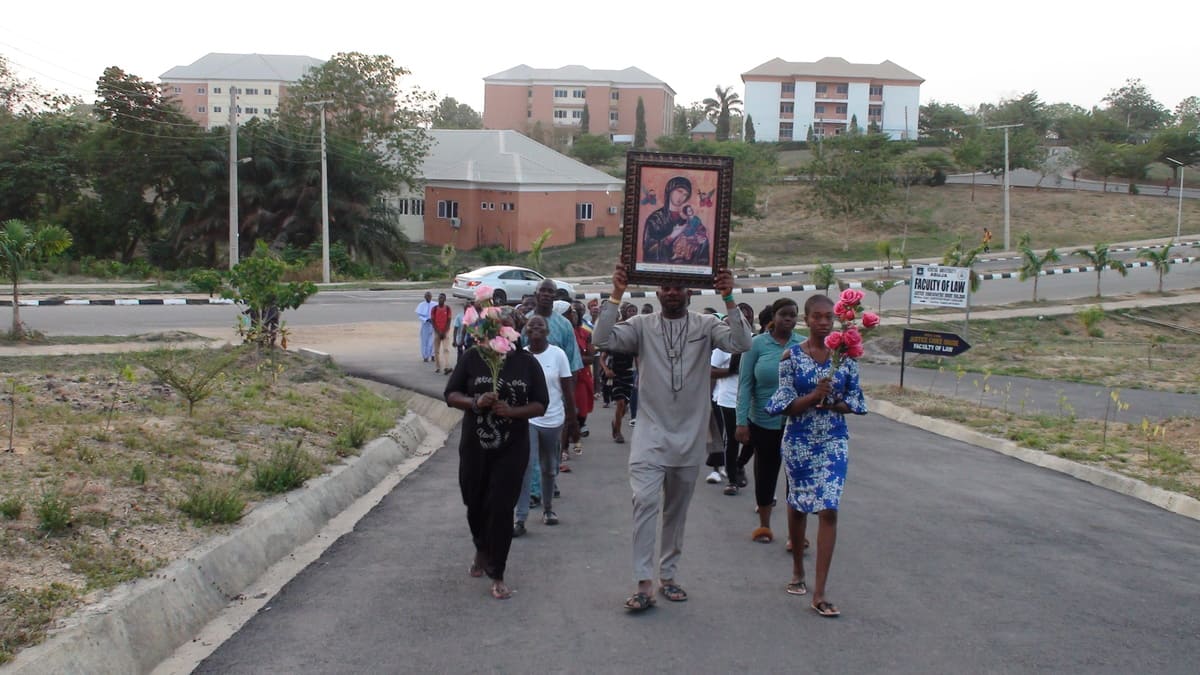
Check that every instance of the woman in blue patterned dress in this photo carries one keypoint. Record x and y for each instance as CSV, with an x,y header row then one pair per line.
x,y
815,441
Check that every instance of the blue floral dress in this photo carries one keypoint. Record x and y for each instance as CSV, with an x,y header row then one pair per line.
x,y
815,443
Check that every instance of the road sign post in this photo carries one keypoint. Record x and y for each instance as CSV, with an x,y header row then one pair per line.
x,y
931,343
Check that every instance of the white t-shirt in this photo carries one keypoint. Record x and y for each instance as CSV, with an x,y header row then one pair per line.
x,y
725,389
555,367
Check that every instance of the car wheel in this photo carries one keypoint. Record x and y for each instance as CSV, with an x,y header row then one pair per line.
x,y
499,297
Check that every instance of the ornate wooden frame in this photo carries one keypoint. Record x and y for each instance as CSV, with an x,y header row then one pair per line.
x,y
648,172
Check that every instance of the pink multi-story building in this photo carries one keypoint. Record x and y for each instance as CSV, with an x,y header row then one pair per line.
x,y
258,82
522,97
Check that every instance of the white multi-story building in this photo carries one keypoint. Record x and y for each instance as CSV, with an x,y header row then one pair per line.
x,y
257,82
785,99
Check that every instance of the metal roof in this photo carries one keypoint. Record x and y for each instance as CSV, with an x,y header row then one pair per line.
x,y
505,156
832,67
577,75
258,67
704,126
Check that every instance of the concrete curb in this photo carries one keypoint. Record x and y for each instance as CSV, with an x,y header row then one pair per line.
x,y
1110,480
139,625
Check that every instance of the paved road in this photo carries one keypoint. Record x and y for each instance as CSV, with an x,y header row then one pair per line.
x,y
950,559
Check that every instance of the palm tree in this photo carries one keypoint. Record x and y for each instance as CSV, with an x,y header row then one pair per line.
x,y
726,100
1031,264
20,249
955,256
1160,261
1100,259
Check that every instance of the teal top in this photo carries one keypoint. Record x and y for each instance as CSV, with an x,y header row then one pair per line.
x,y
758,378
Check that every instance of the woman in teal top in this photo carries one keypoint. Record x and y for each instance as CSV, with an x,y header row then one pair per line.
x,y
758,379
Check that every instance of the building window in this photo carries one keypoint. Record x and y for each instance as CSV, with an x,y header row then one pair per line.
x,y
216,108
199,108
876,90
417,206
178,90
447,209
820,89
266,111
560,114
508,206
612,116
818,109
200,90
487,206
785,131
402,207
266,92
614,96
843,88
239,110
840,110
583,211
787,108
529,113
577,114
252,91
560,93
875,111
787,88
216,90
529,93
579,93
237,90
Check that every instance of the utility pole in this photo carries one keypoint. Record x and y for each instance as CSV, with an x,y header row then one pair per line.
x,y
1179,216
233,178
324,196
1007,184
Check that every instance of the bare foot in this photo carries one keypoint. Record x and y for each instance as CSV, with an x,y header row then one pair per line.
x,y
501,591
477,566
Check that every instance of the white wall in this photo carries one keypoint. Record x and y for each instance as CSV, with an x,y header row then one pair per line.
x,y
762,103
806,98
895,100
857,100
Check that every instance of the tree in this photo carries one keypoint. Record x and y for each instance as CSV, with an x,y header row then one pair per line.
x,y
1101,260
536,247
22,248
585,121
957,256
450,114
942,121
968,154
593,149
853,175
681,127
639,131
1099,158
1133,161
853,129
1032,264
1187,112
257,283
1159,260
718,109
1133,105
1181,145
749,129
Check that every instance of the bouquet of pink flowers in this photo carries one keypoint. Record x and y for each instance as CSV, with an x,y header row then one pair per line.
x,y
492,338
847,343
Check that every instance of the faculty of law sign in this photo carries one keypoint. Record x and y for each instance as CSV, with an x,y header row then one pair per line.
x,y
934,343
940,286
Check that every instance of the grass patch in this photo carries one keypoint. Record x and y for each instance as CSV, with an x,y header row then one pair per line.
x,y
287,469
25,616
11,507
53,512
106,566
214,503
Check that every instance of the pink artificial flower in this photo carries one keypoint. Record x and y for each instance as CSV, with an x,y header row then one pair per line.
x,y
854,352
847,315
500,345
870,319
491,312
852,296
470,316
483,292
833,340
839,308
851,337
509,333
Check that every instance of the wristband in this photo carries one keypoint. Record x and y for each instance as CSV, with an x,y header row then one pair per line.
x,y
727,298
614,300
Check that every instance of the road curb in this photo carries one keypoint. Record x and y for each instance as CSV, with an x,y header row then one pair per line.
x,y
139,625
1110,480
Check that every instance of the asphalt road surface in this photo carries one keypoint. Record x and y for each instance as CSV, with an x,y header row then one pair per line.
x,y
950,559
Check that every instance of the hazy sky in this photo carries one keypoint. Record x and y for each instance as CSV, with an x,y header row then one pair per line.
x,y
967,55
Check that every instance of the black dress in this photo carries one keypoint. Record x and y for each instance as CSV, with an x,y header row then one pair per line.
x,y
494,451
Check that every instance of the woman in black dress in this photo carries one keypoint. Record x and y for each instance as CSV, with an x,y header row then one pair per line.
x,y
494,449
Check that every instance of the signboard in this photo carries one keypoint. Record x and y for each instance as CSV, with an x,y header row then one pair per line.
x,y
933,343
940,286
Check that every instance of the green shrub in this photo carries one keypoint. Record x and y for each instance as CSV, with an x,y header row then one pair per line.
x,y
138,474
352,438
214,503
53,512
206,281
11,507
287,469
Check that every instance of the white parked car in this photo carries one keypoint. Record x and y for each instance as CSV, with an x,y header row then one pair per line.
x,y
509,283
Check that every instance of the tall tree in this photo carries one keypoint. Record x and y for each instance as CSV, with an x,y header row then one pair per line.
x,y
1101,260
639,132
22,248
968,154
1133,105
585,121
681,122
749,129
1187,112
719,108
450,114
1180,144
1133,162
1099,158
1032,264
853,175
942,121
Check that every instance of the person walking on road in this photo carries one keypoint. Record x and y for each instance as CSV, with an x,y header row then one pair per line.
x,y
424,313
815,442
987,240
440,317
669,444
494,448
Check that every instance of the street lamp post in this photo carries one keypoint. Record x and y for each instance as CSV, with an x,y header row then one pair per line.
x,y
324,196
1007,184
1179,214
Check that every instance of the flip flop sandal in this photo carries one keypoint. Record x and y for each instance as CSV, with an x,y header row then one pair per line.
x,y
639,602
504,594
673,593
762,535
797,588
826,609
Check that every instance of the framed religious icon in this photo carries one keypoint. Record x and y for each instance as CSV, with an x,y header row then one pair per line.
x,y
676,222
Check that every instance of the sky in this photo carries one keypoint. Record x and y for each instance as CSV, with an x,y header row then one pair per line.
x,y
967,57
